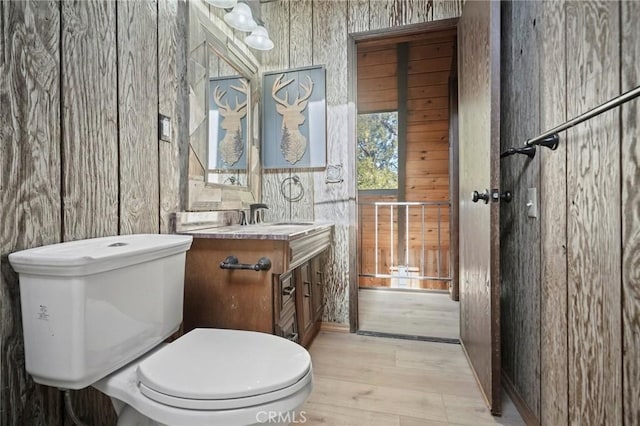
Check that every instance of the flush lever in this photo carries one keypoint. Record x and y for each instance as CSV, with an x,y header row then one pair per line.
x,y
484,196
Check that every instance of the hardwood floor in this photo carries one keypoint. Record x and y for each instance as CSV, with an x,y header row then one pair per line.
x,y
426,314
371,381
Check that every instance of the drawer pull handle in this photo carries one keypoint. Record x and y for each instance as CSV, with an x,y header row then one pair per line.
x,y
293,337
288,291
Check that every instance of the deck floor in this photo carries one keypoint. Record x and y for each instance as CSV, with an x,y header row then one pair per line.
x,y
424,314
374,381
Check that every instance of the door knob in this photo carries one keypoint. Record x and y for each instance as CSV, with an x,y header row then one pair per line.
x,y
477,196
501,196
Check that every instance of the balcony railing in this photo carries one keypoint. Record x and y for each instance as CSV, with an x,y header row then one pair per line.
x,y
404,241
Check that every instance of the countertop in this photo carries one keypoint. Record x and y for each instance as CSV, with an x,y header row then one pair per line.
x,y
263,231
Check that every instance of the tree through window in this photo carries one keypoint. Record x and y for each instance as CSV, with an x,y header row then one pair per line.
x,y
378,151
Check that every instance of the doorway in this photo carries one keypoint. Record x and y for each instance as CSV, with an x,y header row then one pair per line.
x,y
406,223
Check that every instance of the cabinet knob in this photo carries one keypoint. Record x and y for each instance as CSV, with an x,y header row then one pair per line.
x,y
288,291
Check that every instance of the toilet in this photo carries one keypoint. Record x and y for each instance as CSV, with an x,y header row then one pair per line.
x,y
96,313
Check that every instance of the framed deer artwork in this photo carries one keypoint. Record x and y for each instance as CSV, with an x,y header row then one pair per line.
x,y
228,123
294,119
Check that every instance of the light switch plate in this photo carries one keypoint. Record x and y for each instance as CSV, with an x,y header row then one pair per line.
x,y
164,127
532,202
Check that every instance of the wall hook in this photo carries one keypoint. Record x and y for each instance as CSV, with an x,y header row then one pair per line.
x,y
550,142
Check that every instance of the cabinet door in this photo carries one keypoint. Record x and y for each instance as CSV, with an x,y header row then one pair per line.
x,y
317,287
305,296
285,293
287,325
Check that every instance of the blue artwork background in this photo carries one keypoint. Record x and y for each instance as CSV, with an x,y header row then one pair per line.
x,y
313,128
216,132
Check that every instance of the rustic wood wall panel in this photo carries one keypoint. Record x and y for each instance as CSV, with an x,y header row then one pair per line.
x,y
553,220
277,15
138,117
593,180
420,11
380,14
520,319
30,113
90,143
630,170
444,9
332,200
58,91
301,55
29,186
90,132
358,16
172,90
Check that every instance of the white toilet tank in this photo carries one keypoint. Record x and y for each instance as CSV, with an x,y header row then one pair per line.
x,y
91,306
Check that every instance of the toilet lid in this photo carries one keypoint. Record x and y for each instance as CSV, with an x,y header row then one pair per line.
x,y
213,364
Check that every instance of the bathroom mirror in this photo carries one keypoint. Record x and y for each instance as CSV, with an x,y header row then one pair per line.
x,y
223,115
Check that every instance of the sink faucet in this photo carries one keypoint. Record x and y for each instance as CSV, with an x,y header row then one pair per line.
x,y
256,212
243,217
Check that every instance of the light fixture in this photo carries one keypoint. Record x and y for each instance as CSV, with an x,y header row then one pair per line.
x,y
259,39
241,18
224,4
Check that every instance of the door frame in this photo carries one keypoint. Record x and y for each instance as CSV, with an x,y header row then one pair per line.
x,y
402,33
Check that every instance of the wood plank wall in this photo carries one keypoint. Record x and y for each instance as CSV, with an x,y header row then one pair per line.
x,y
571,291
377,78
81,84
518,174
317,32
630,171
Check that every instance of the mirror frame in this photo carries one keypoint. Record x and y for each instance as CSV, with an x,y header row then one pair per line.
x,y
203,195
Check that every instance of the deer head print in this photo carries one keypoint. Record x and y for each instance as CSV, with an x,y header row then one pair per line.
x,y
293,143
231,146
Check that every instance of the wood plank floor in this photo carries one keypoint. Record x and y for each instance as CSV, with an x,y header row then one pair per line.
x,y
426,314
371,381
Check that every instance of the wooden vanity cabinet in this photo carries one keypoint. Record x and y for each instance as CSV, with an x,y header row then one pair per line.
x,y
286,300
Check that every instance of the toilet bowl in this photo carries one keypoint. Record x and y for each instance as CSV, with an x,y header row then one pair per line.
x,y
213,376
95,312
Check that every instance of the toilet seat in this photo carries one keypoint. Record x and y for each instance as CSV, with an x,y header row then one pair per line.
x,y
225,404
215,369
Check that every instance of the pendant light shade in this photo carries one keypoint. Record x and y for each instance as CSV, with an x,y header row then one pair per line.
x,y
241,18
223,4
259,39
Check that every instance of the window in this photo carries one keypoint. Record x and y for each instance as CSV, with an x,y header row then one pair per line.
x,y
378,151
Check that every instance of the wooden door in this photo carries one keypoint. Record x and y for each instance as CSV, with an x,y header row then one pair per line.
x,y
479,138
